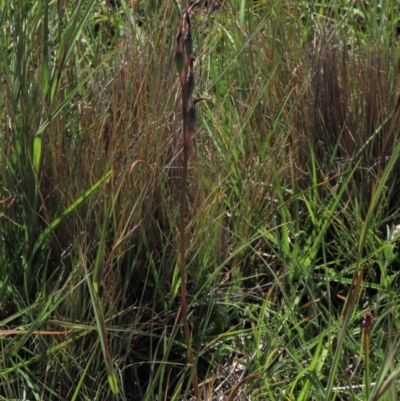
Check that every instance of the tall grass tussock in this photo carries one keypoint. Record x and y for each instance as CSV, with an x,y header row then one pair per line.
x,y
157,246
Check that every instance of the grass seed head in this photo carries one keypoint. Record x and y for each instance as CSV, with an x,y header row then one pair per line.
x,y
179,61
188,43
368,321
190,85
191,120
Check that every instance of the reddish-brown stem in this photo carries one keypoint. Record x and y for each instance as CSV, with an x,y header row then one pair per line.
x,y
182,264
182,228
367,324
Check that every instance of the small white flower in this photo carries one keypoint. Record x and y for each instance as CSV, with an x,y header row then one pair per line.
x,y
396,232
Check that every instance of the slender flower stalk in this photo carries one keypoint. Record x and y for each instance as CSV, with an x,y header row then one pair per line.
x,y
367,324
184,65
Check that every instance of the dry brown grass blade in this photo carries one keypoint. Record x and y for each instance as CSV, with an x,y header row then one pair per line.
x,y
242,382
393,125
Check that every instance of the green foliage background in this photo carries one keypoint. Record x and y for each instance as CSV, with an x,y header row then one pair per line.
x,y
293,201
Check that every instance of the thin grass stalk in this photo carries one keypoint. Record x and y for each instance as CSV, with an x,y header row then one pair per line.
x,y
102,330
367,323
99,314
84,374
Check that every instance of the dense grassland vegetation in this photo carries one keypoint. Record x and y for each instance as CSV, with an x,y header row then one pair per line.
x,y
292,201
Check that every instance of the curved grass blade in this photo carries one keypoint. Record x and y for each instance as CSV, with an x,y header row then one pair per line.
x,y
45,234
102,330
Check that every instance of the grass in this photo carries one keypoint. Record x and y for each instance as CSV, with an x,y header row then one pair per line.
x,y
289,225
